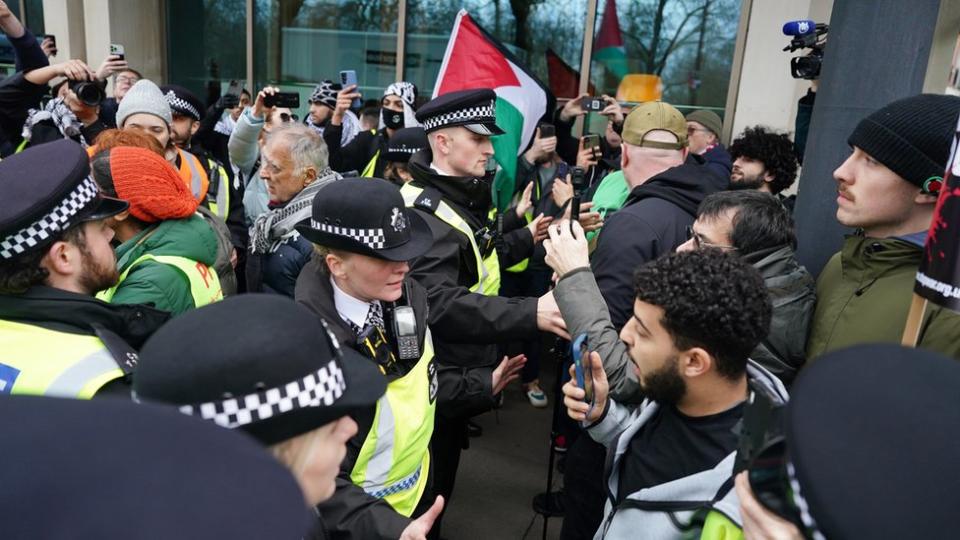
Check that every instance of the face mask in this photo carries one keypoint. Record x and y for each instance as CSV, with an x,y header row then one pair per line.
x,y
392,119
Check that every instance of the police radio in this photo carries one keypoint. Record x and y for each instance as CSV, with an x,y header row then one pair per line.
x,y
404,322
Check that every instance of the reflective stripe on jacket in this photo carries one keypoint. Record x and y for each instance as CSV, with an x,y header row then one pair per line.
x,y
204,283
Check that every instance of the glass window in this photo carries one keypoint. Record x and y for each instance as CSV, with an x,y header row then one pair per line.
x,y
298,43
680,49
206,45
33,15
533,31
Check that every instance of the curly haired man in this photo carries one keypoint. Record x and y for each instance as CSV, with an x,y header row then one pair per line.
x,y
696,317
763,160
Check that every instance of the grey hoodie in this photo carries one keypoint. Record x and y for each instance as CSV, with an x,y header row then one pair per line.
x,y
654,513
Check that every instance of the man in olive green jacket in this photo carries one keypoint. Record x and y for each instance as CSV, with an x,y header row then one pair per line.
x,y
887,190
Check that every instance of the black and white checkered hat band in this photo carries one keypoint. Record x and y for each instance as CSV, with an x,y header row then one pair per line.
x,y
182,105
52,223
372,238
318,389
404,150
470,115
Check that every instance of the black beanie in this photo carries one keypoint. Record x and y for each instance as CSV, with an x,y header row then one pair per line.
x,y
911,136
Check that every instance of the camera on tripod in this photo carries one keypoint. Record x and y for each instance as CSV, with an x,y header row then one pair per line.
x,y
806,35
90,93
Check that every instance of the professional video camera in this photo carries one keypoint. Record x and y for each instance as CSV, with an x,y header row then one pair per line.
x,y
806,35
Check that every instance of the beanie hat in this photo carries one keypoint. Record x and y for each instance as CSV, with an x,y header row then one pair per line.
x,y
911,136
151,185
707,119
183,101
144,97
325,93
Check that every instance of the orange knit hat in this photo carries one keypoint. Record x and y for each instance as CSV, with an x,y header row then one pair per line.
x,y
152,186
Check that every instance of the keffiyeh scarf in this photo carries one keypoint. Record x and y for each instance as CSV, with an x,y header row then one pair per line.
x,y
272,228
62,117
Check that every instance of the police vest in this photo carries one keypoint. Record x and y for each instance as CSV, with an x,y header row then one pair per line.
x,y
394,461
192,173
38,361
204,283
488,270
218,193
371,167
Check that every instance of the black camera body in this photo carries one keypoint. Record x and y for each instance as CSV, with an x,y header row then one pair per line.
x,y
89,93
290,100
806,37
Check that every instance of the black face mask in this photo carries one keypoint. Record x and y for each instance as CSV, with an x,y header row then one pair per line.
x,y
392,119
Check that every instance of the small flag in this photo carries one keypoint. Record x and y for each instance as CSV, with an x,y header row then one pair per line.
x,y
609,43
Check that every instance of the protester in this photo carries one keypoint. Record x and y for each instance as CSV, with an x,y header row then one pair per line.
x,y
294,171
887,190
166,250
855,460
365,152
754,226
124,77
246,143
666,186
217,126
105,456
363,237
703,135
289,384
764,160
574,152
696,317
55,254
323,102
28,53
452,193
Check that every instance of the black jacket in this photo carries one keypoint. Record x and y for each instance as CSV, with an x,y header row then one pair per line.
x,y
350,512
653,221
122,328
466,326
357,153
17,96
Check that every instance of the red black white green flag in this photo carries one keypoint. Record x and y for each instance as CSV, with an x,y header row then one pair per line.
x,y
938,279
476,59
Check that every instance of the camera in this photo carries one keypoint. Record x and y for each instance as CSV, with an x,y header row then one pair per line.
x,y
290,100
89,93
806,35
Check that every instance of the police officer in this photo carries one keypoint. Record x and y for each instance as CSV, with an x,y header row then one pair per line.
x,y
364,236
451,191
85,469
55,254
286,381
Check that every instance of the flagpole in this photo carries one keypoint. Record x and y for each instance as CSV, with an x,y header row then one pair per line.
x,y
585,58
911,330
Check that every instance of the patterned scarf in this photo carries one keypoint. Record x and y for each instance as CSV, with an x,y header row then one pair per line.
x,y
407,92
62,117
273,228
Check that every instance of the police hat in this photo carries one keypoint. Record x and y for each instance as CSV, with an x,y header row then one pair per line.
x,y
257,362
872,435
109,468
183,101
46,190
472,109
405,143
367,216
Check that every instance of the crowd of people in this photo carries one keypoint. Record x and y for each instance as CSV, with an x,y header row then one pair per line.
x,y
344,291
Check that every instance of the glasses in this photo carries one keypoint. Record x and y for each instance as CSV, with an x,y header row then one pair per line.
x,y
284,117
125,79
699,242
692,130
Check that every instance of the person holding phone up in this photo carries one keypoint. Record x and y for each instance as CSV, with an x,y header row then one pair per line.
x,y
696,316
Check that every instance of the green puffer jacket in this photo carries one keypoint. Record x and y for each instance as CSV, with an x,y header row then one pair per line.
x,y
864,295
159,284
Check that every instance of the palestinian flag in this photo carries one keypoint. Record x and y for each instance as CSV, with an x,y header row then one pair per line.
x,y
476,59
608,48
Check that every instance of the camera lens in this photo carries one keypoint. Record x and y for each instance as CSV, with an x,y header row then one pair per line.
x,y
90,94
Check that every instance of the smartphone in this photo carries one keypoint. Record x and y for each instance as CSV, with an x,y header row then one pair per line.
x,y
348,77
117,50
593,104
582,367
592,141
290,100
53,41
578,179
547,130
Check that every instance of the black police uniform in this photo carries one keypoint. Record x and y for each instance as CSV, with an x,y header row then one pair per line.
x,y
466,326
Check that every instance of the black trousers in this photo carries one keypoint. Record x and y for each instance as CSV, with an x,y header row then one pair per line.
x,y
449,439
583,489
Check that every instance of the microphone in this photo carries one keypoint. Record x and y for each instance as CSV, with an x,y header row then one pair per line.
x,y
799,28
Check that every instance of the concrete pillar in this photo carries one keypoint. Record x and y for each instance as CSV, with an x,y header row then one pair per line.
x,y
944,43
64,19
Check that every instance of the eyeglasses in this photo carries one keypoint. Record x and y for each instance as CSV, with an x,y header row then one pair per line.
x,y
125,79
284,117
699,242
692,130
